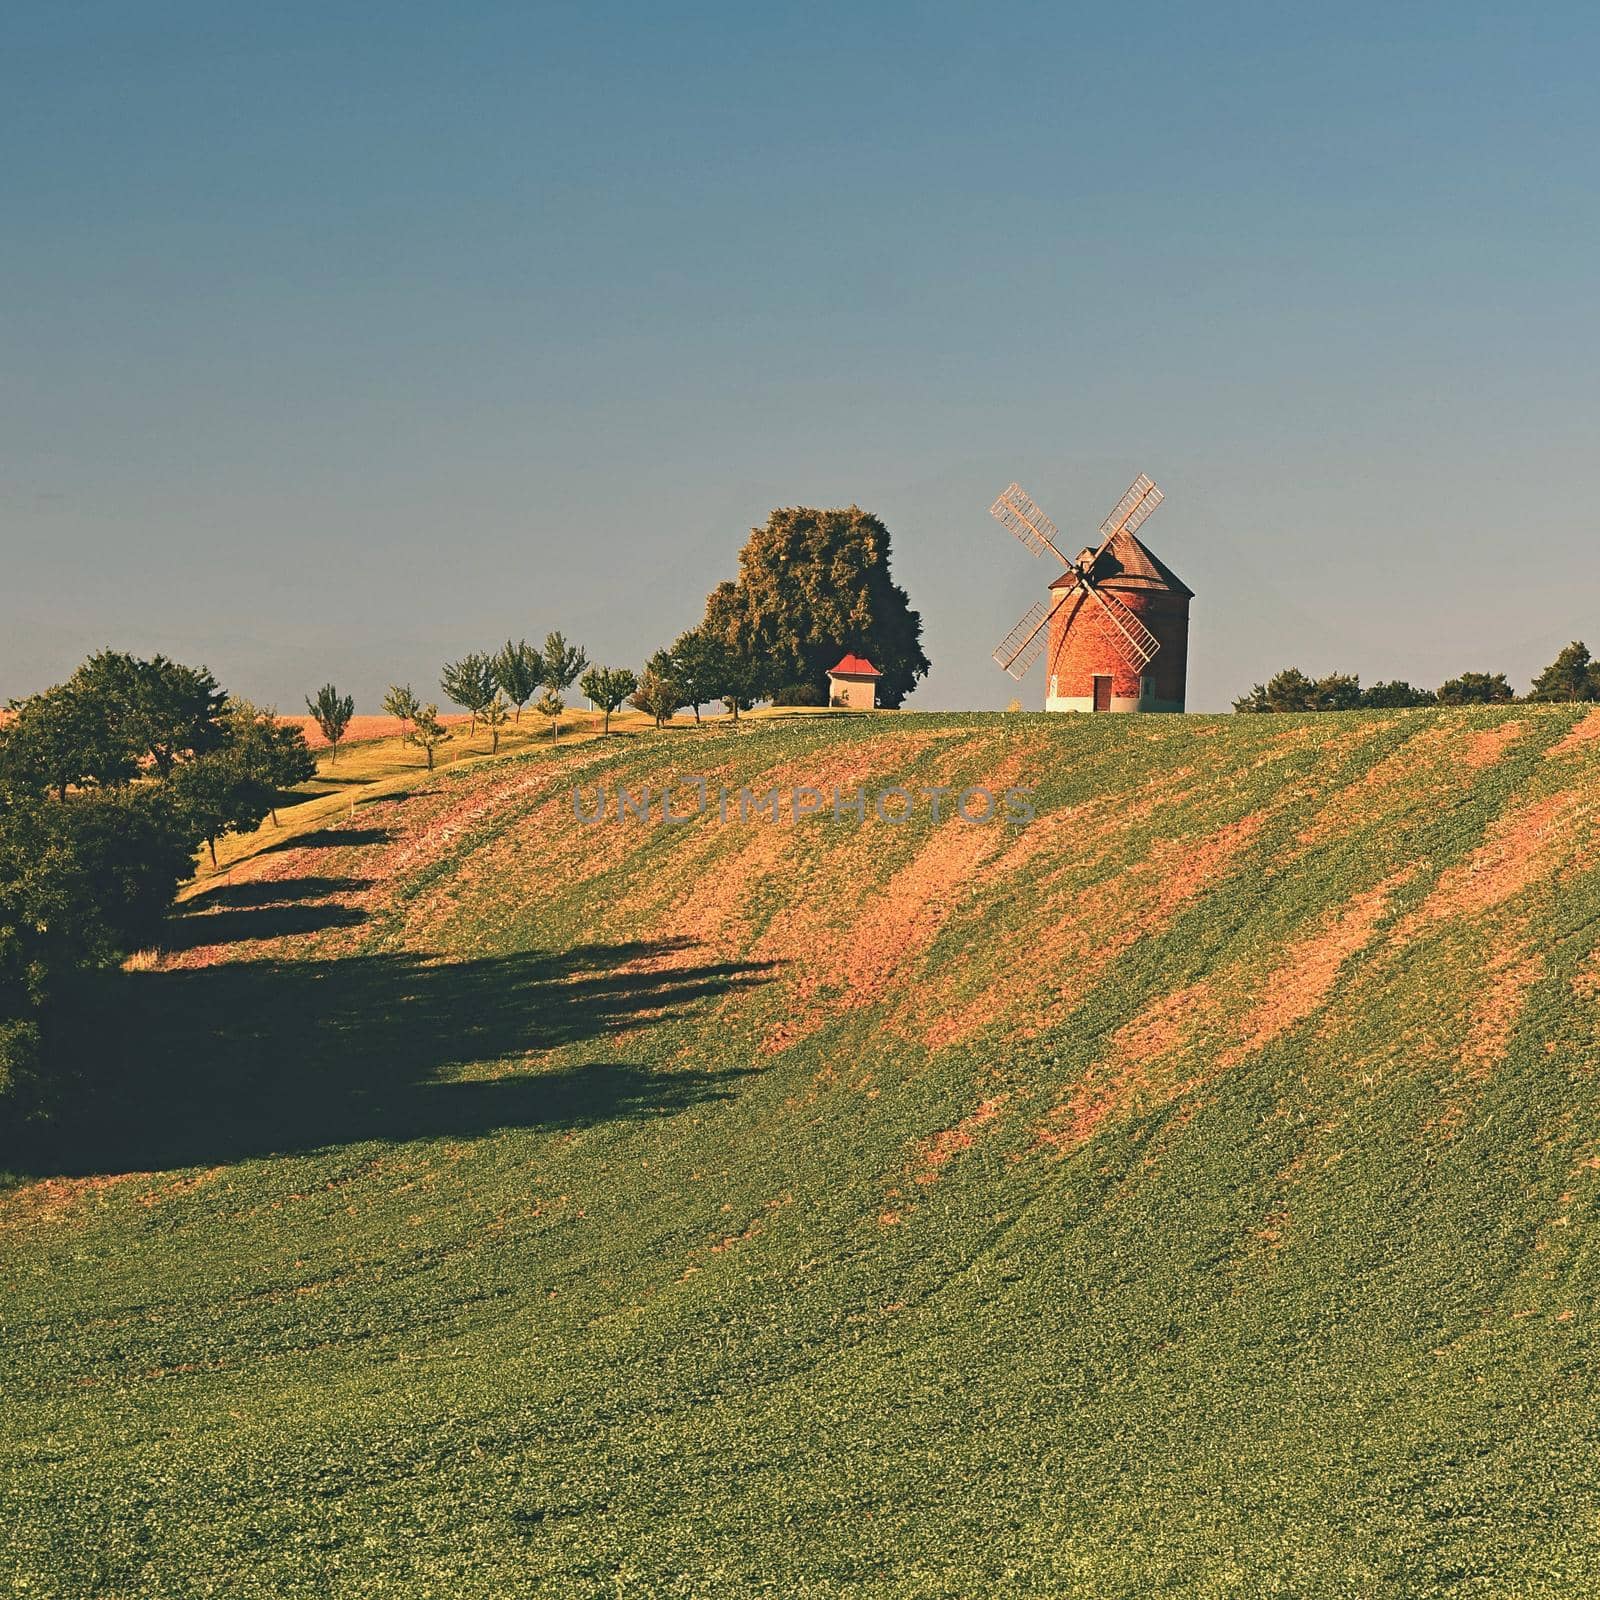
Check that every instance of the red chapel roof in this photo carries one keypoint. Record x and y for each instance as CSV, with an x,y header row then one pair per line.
x,y
855,667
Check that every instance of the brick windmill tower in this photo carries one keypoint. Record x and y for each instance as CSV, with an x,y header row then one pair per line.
x,y
1117,625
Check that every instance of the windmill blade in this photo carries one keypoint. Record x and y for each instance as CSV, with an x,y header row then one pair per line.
x,y
1016,511
1131,510
1020,648
1135,643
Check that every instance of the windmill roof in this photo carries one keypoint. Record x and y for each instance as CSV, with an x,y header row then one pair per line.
x,y
855,667
1127,564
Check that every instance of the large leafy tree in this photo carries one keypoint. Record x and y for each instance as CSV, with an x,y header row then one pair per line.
x,y
163,709
220,793
731,676
60,739
274,753
83,880
1573,675
813,585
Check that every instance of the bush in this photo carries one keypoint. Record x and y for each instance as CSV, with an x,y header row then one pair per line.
x,y
800,694
82,881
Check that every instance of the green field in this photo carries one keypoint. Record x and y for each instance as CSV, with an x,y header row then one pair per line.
x,y
1186,1193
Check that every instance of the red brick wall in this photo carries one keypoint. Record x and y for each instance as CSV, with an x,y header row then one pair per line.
x,y
1081,646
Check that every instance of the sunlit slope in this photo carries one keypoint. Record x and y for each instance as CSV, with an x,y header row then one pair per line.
x,y
1186,1192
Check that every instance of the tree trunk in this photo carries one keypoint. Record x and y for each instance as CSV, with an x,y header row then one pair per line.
x,y
275,822
430,758
213,845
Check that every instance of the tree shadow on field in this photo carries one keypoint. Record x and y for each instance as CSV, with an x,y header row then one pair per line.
x,y
265,908
206,1065
270,892
329,839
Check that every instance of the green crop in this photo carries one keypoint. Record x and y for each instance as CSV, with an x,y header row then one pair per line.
x,y
1185,1193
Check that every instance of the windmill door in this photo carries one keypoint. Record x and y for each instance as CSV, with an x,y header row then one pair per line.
x,y
1102,691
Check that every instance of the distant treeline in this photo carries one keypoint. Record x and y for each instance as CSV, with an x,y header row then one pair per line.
x,y
1571,676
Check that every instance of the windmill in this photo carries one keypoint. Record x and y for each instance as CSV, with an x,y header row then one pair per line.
x,y
1121,583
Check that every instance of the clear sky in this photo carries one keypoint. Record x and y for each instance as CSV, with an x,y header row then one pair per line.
x,y
335,340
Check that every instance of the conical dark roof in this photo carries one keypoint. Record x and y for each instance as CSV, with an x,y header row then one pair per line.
x,y
1127,564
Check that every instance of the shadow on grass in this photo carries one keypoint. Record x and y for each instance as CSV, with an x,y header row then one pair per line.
x,y
266,908
196,931
329,839
270,892
213,1064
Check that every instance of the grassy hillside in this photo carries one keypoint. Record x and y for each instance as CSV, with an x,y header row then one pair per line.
x,y
1184,1193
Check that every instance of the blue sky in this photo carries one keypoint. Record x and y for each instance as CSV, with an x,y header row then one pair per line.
x,y
335,340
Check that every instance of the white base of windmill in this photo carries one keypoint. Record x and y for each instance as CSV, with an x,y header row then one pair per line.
x,y
1119,702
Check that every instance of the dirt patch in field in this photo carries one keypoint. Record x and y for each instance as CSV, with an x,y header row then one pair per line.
x,y
1579,737
897,925
1499,1003
1089,929
1086,826
1138,1066
1521,847
1586,982
1485,749
936,1152
53,1200
1304,977
1125,1076
1165,1025
1427,763
712,887
843,967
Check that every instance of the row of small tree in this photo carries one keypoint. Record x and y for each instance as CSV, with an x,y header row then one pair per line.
x,y
1572,676
492,687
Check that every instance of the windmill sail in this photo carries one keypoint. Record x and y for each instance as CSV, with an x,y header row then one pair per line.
x,y
1141,499
1020,648
1018,512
